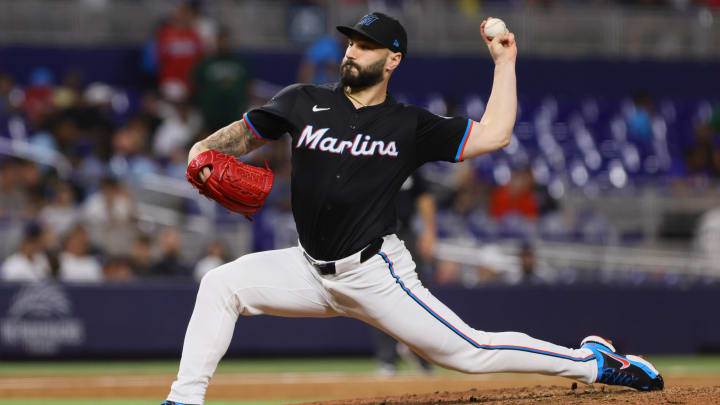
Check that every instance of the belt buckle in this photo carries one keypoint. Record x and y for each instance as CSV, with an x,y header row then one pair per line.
x,y
325,268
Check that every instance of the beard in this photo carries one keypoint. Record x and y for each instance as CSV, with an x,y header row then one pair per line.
x,y
365,77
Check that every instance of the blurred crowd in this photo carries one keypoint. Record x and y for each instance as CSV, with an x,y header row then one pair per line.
x,y
676,4
73,156
474,4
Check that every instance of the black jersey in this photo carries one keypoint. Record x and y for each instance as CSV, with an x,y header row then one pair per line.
x,y
348,164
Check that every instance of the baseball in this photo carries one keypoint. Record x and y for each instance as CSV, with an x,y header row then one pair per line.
x,y
495,27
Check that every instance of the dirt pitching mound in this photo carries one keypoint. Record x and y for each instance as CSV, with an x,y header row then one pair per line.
x,y
549,395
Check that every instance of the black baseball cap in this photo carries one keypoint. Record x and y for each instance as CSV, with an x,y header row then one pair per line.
x,y
379,28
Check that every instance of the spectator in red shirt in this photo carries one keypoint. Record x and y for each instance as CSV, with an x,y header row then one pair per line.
x,y
711,3
179,48
39,96
516,197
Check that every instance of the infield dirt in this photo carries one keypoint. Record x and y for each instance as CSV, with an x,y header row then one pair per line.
x,y
553,394
370,390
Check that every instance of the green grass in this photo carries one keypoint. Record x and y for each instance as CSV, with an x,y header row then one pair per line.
x,y
155,367
675,364
330,365
687,365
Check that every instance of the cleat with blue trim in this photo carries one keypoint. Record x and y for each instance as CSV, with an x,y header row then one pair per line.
x,y
173,403
629,371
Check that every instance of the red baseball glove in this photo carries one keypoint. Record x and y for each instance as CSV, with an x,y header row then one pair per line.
x,y
236,186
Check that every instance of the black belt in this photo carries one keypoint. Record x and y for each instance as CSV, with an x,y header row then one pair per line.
x,y
365,254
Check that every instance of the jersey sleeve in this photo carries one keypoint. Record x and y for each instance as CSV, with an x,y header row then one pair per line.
x,y
441,138
275,118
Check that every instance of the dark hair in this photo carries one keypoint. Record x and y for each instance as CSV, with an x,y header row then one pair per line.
x,y
194,5
117,260
32,231
109,181
144,239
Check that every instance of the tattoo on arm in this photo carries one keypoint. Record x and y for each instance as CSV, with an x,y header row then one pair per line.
x,y
234,139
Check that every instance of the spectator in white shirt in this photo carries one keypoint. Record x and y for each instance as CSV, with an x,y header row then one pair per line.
x,y
62,213
112,205
29,263
109,215
76,263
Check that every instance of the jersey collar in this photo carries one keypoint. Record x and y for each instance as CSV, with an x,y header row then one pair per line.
x,y
389,99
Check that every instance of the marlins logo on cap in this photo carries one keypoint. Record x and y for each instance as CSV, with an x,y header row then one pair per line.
x,y
379,28
368,19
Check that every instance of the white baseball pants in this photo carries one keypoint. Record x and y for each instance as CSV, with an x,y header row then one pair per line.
x,y
384,291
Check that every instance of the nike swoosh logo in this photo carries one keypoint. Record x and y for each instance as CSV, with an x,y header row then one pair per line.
x,y
625,363
316,109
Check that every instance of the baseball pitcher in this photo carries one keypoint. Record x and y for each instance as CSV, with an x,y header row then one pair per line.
x,y
353,146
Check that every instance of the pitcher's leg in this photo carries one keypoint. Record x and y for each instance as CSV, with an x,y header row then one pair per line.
x,y
430,328
385,352
273,283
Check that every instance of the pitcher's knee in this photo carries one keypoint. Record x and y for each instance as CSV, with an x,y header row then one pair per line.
x,y
463,367
213,279
230,285
218,282
464,361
